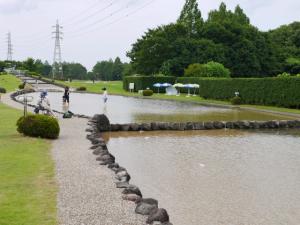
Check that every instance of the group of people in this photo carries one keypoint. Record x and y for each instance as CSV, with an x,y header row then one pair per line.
x,y
43,103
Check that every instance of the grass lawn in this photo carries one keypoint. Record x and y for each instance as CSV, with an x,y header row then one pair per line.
x,y
9,82
27,184
116,87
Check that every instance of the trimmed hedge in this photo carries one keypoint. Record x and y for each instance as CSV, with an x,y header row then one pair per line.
x,y
81,89
147,92
39,126
144,82
284,92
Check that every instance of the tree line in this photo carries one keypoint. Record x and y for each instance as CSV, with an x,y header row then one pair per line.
x,y
103,70
226,37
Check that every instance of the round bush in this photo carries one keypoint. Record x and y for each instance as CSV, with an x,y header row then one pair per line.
x,y
2,90
21,86
147,92
237,100
81,89
38,126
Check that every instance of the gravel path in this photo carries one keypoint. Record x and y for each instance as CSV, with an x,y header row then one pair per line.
x,y
87,193
86,190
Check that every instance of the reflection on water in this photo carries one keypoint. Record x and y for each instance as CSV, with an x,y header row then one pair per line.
x,y
125,110
217,177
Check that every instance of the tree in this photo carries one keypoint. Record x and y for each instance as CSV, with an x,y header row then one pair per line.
x,y
117,71
190,17
29,65
210,69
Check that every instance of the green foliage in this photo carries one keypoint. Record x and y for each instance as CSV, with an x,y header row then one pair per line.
x,y
226,37
39,126
74,71
81,88
147,92
2,90
292,65
236,100
284,75
283,92
21,86
190,17
144,82
111,70
210,69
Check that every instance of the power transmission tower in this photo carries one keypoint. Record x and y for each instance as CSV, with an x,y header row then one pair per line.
x,y
57,70
9,48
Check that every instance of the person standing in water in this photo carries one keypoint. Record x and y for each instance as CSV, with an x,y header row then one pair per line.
x,y
105,95
66,96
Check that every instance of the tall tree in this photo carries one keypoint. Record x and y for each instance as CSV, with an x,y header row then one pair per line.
x,y
191,17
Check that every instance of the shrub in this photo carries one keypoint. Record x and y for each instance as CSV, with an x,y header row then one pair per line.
x,y
2,90
21,86
275,91
284,75
81,89
147,92
210,69
143,82
38,126
237,100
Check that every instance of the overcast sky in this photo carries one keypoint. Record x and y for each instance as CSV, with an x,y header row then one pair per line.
x,y
97,30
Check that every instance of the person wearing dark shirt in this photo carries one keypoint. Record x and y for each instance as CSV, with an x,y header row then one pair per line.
x,y
66,96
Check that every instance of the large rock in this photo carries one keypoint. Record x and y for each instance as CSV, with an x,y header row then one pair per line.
x,y
131,197
218,125
102,122
132,189
146,127
146,207
160,215
115,127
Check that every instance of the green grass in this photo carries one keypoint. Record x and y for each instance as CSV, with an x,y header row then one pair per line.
x,y
9,82
27,184
116,87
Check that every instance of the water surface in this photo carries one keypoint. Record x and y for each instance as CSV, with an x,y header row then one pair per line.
x,y
126,110
222,177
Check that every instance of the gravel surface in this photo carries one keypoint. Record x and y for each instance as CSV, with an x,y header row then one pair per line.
x,y
86,191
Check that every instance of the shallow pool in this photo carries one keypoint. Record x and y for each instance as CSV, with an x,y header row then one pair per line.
x,y
217,177
125,109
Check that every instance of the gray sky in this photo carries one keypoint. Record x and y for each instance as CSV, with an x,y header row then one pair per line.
x,y
97,30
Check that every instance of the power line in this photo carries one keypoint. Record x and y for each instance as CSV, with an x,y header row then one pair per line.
x,y
100,20
73,19
116,20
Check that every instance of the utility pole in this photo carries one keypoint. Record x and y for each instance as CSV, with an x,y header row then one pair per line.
x,y
57,70
9,48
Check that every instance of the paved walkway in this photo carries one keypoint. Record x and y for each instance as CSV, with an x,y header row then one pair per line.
x,y
86,190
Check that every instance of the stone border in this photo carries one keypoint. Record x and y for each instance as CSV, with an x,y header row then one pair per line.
x,y
210,125
144,206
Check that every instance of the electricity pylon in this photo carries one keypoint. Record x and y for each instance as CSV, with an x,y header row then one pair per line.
x,y
57,70
9,48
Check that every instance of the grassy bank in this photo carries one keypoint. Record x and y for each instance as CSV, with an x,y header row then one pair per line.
x,y
9,82
115,87
27,184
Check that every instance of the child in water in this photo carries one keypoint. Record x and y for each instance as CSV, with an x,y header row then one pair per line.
x,y
105,96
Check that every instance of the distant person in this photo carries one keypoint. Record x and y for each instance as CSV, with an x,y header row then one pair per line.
x,y
44,104
105,95
66,97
